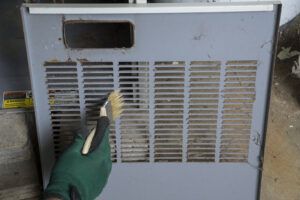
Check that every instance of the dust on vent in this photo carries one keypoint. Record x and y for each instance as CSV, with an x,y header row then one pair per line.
x,y
169,98
62,85
198,114
239,95
98,81
134,128
203,110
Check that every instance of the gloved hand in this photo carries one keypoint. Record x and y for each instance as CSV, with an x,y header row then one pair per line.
x,y
82,174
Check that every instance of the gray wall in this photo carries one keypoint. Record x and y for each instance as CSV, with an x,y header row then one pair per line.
x,y
13,62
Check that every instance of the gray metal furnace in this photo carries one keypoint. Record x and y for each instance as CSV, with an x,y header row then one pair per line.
x,y
196,82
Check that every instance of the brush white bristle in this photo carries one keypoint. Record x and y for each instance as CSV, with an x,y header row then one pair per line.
x,y
116,101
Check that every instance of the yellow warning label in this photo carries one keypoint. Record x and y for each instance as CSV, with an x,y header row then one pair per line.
x,y
17,99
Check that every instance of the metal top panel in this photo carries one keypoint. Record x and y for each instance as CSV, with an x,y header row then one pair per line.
x,y
150,8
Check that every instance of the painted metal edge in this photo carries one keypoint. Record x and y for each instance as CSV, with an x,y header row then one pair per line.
x,y
268,98
150,8
45,140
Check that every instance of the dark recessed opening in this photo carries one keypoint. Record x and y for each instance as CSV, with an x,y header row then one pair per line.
x,y
91,34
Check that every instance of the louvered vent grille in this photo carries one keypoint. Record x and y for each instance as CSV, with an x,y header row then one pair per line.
x,y
134,123
169,98
239,95
63,95
203,110
98,81
197,111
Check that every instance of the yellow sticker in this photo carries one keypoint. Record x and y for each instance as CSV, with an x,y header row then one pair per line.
x,y
17,99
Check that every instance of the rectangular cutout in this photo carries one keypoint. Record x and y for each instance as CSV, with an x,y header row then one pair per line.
x,y
98,34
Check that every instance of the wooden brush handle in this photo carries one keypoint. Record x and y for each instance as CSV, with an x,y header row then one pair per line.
x,y
103,112
88,142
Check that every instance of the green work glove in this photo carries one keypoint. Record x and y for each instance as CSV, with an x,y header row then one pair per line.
x,y
86,174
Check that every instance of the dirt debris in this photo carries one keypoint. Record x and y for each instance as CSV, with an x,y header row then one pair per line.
x,y
281,170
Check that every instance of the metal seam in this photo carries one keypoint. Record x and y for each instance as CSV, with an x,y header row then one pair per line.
x,y
220,113
151,112
186,111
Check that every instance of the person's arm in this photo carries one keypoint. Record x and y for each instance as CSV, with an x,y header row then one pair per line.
x,y
84,175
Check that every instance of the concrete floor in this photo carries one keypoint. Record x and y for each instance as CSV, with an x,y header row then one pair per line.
x,y
281,170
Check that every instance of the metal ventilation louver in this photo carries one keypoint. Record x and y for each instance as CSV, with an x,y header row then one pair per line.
x,y
195,80
63,96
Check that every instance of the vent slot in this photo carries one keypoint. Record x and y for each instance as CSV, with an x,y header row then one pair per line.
x,y
169,99
97,83
239,95
99,78
134,125
203,110
63,96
